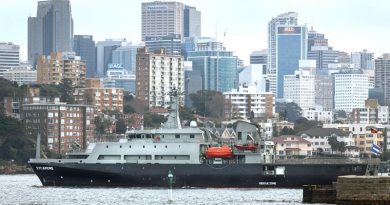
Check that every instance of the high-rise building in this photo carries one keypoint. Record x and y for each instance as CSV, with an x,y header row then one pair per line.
x,y
126,56
382,75
323,55
191,44
84,46
324,91
255,74
171,43
350,91
51,30
61,125
377,94
319,50
315,39
158,74
118,77
103,99
22,75
104,51
259,57
9,57
247,102
192,22
291,47
59,66
162,18
344,58
285,19
213,68
371,77
363,59
299,88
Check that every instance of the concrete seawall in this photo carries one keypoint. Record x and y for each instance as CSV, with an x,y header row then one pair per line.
x,y
320,194
359,190
351,190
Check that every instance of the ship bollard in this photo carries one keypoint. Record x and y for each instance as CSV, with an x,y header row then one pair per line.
x,y
171,180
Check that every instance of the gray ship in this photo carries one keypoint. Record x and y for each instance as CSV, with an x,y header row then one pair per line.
x,y
193,156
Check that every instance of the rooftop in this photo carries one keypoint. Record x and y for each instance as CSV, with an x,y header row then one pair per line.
x,y
324,132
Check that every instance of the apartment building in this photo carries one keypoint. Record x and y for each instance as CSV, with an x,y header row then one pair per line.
x,y
59,66
63,127
102,99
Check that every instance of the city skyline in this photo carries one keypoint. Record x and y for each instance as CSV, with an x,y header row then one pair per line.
x,y
362,23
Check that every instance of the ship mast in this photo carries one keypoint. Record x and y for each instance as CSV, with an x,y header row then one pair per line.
x,y
173,121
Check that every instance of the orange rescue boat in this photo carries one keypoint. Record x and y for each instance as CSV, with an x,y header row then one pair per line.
x,y
221,152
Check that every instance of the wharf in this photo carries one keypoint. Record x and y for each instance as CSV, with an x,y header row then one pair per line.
x,y
351,190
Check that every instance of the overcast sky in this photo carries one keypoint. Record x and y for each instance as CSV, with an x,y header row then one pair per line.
x,y
350,25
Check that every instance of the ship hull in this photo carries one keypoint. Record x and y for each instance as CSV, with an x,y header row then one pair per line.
x,y
192,175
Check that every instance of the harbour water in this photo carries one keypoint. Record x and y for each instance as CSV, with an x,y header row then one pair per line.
x,y
27,189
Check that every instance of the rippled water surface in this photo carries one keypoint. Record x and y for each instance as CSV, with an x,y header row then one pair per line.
x,y
27,189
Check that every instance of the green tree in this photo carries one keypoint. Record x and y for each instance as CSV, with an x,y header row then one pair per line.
x,y
287,131
67,89
275,132
128,109
342,147
335,145
153,120
14,143
288,111
302,124
332,141
49,90
186,114
121,126
208,103
102,124
17,148
10,127
9,89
